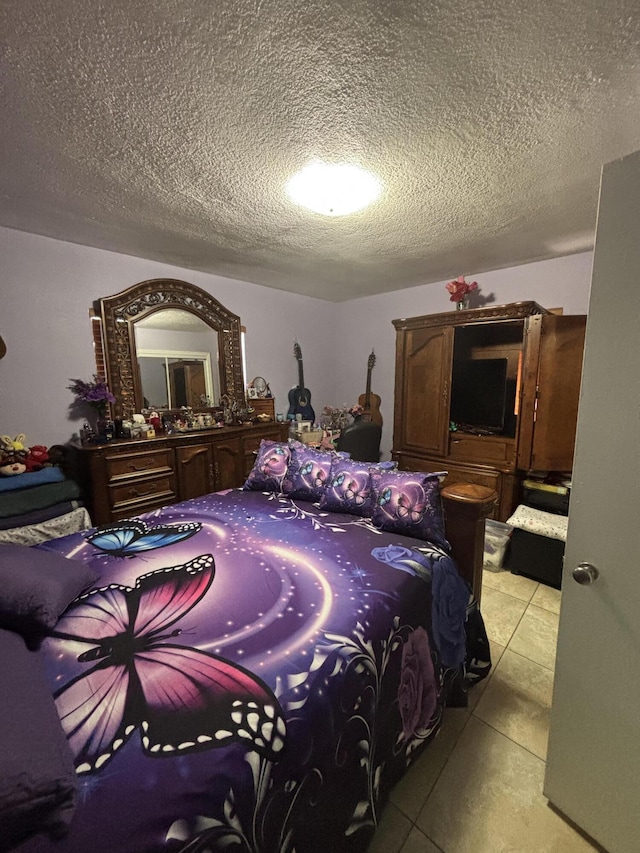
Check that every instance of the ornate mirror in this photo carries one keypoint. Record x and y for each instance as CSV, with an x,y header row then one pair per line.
x,y
168,343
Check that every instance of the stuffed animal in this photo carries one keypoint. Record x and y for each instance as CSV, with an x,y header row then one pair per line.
x,y
37,457
11,464
15,446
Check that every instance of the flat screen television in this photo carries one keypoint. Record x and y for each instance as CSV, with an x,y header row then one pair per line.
x,y
479,394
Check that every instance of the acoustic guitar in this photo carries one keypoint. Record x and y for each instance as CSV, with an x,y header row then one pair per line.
x,y
300,397
370,402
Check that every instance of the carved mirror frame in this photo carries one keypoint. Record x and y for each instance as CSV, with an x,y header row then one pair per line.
x,y
119,315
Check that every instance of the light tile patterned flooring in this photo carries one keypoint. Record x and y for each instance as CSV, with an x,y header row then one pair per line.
x,y
478,788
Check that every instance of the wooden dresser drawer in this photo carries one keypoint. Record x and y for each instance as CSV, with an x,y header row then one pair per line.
x,y
134,496
250,443
139,464
129,476
485,449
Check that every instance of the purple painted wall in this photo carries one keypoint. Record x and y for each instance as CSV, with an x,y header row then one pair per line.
x,y
48,287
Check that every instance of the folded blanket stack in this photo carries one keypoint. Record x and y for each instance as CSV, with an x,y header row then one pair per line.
x,y
40,505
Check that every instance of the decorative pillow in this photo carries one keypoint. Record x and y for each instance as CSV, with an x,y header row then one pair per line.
x,y
308,473
270,467
349,488
408,502
39,784
36,586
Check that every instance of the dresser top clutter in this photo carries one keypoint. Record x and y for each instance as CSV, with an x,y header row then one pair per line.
x,y
169,347
488,395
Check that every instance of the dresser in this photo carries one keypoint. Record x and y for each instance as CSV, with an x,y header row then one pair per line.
x,y
487,395
127,477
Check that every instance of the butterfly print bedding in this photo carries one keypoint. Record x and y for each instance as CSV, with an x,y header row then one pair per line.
x,y
128,538
247,675
183,699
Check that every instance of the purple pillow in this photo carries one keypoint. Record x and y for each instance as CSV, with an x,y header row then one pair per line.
x,y
36,586
38,786
308,473
350,488
408,502
270,467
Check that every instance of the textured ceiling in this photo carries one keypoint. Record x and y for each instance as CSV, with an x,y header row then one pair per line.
x,y
167,129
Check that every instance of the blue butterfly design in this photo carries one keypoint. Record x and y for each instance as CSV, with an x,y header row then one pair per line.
x,y
338,481
318,479
128,538
385,497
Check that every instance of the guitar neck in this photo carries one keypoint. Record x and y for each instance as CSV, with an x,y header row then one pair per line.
x,y
367,393
300,374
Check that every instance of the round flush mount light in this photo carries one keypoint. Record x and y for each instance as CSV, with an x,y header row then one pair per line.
x,y
333,189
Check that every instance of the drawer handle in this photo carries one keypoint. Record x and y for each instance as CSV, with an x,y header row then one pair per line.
x,y
134,467
138,494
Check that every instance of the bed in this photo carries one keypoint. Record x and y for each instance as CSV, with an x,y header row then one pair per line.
x,y
252,670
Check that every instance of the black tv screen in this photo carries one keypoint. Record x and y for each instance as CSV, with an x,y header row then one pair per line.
x,y
479,392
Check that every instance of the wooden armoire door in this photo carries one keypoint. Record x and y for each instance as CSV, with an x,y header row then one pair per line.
x,y
551,388
423,361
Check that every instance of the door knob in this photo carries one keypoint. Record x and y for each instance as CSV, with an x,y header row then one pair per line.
x,y
585,574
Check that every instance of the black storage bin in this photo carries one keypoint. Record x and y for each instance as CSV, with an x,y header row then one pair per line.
x,y
534,556
547,501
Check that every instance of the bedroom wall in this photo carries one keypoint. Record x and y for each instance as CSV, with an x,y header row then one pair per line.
x,y
48,287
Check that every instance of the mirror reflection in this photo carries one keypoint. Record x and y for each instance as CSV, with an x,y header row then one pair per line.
x,y
178,360
168,340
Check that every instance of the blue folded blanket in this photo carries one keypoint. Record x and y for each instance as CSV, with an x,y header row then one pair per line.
x,y
33,478
25,500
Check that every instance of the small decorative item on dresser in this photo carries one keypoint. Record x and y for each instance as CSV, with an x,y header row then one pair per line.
x,y
459,291
95,395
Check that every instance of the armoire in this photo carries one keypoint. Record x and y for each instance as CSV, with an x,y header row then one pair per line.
x,y
488,395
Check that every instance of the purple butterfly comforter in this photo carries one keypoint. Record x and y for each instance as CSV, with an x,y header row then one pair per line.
x,y
250,674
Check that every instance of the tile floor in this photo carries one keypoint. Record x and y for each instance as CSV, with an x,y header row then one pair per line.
x,y
478,789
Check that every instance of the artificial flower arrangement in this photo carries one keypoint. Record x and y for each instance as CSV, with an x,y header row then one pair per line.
x,y
95,394
337,417
459,290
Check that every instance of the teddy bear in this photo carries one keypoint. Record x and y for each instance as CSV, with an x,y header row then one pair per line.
x,y
37,457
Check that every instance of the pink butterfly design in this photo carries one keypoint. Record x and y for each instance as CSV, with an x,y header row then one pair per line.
x,y
412,509
356,492
181,699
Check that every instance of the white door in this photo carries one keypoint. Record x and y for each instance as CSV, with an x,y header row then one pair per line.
x,y
593,766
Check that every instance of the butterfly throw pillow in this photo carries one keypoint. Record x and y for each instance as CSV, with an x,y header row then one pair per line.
x,y
308,472
349,488
270,467
408,502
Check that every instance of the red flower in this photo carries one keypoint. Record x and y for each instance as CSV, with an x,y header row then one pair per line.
x,y
459,288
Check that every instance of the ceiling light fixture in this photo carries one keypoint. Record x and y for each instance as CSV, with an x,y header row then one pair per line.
x,y
333,189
